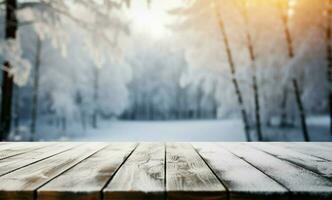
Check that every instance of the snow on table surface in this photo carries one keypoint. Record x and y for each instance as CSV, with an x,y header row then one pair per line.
x,y
101,170
302,181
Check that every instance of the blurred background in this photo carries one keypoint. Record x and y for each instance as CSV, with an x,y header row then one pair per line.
x,y
175,70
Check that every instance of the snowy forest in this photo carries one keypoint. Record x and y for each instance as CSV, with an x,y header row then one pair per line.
x,y
227,70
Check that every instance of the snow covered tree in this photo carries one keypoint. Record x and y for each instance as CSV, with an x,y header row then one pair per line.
x,y
244,9
285,14
198,35
49,18
197,15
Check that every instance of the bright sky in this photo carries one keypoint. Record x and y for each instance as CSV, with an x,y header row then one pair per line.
x,y
152,20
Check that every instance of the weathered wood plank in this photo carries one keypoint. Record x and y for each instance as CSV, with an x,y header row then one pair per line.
x,y
6,147
141,176
21,145
14,149
87,179
319,146
22,184
317,165
4,143
242,180
313,150
248,171
328,144
302,183
12,144
16,162
187,175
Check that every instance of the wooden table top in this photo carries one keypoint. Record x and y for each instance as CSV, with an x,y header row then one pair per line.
x,y
131,171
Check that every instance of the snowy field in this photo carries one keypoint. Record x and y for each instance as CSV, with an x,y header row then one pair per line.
x,y
191,130
200,130
318,126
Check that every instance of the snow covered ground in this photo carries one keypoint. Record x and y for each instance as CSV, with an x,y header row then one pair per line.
x,y
191,130
197,130
318,127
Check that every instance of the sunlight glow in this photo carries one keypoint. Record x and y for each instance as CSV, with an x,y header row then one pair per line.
x,y
151,20
291,5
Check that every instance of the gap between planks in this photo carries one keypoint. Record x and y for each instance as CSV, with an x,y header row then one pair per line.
x,y
195,166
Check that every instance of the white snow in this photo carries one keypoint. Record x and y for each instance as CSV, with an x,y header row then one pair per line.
x,y
301,180
200,130
164,131
177,130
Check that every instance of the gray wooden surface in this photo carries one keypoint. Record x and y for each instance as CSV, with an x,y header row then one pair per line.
x,y
142,176
188,176
128,171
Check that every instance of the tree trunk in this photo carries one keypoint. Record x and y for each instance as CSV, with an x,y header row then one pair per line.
x,y
330,82
330,104
147,109
178,106
63,124
95,119
83,119
134,107
7,80
283,116
257,109
214,111
254,76
57,121
198,109
95,98
289,41
35,90
233,73
301,110
329,55
17,106
6,103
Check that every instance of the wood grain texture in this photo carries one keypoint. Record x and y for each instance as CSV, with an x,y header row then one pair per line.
x,y
302,183
187,175
326,144
141,176
51,171
308,148
320,166
13,149
242,180
4,143
15,162
87,179
22,184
